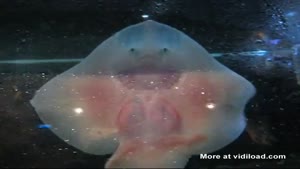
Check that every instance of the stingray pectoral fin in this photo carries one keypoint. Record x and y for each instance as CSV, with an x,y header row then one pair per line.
x,y
81,111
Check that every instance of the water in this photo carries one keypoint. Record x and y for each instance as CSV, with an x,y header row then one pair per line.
x,y
41,40
296,61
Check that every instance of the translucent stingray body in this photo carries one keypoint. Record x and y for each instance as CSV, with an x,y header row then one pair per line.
x,y
150,95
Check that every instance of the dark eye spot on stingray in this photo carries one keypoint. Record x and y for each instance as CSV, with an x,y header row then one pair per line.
x,y
132,49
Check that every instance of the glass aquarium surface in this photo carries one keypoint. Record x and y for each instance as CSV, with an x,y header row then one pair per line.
x,y
150,84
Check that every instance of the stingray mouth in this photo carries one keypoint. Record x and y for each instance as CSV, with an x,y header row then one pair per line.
x,y
149,77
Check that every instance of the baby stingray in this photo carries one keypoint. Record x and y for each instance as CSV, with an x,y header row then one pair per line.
x,y
149,95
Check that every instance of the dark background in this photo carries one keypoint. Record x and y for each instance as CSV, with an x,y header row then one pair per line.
x,y
72,28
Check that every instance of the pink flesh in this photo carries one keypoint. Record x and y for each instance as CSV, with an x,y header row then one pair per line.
x,y
107,99
147,77
138,115
105,103
144,116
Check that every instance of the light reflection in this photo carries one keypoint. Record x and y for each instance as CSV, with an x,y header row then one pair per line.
x,y
290,14
145,16
254,53
210,105
78,110
44,126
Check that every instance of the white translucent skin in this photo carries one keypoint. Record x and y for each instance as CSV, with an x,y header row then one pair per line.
x,y
82,104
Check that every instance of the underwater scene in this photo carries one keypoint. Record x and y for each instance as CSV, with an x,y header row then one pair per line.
x,y
150,84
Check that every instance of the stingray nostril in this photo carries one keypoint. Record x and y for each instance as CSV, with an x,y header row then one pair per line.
x,y
132,49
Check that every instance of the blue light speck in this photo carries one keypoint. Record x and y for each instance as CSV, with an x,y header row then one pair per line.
x,y
44,126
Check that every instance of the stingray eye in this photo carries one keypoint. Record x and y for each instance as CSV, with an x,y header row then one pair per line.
x,y
132,49
133,52
164,51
